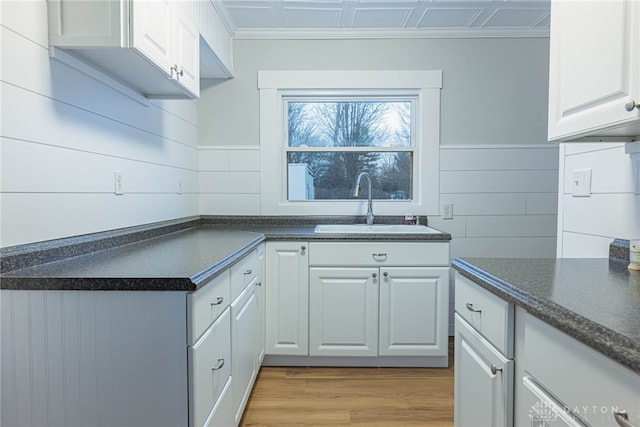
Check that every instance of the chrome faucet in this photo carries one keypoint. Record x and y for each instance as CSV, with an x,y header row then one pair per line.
x,y
356,193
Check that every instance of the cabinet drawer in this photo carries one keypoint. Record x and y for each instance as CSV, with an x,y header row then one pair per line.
x,y
244,272
380,253
581,378
210,368
206,304
490,315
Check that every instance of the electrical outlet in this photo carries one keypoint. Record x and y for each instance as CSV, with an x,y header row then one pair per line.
x,y
447,211
118,181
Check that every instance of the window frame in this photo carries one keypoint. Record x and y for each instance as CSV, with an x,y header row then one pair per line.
x,y
277,86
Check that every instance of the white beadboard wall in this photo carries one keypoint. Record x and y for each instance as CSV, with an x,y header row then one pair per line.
x,y
587,225
67,358
63,134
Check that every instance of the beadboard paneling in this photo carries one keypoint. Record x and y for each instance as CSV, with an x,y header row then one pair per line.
x,y
80,347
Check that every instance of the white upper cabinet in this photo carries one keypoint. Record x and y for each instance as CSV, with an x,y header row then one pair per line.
x,y
594,78
149,45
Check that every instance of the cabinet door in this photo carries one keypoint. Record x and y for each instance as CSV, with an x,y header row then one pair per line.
x,y
483,382
544,410
187,53
413,311
343,311
261,301
244,318
209,369
152,31
594,67
287,282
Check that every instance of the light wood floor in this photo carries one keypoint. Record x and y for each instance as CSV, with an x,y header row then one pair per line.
x,y
351,396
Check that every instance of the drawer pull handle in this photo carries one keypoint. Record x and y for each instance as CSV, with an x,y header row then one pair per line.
x,y
248,272
470,307
218,301
379,255
220,365
622,418
495,369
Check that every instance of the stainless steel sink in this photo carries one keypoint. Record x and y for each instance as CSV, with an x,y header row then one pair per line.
x,y
375,229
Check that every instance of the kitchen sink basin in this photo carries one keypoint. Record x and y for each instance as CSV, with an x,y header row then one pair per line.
x,y
375,229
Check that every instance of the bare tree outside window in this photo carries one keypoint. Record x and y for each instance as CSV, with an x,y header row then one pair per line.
x,y
330,142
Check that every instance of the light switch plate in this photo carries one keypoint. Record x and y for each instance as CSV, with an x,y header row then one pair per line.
x,y
581,183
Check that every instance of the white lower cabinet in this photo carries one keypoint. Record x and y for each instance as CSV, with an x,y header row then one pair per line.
x,y
483,386
343,314
565,382
210,369
511,368
371,300
483,357
370,311
287,298
244,324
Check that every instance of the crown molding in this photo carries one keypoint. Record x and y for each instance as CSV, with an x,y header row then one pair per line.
x,y
384,33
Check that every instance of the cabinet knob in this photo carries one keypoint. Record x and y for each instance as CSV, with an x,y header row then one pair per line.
x,y
259,284
303,248
220,364
174,69
495,369
629,106
470,307
218,301
374,275
385,274
622,418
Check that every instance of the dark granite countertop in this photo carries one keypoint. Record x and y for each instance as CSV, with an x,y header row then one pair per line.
x,y
180,261
183,258
596,301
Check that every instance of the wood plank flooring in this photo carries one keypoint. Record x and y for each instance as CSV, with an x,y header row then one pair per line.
x,y
293,396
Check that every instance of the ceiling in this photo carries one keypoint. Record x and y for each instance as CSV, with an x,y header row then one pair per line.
x,y
385,18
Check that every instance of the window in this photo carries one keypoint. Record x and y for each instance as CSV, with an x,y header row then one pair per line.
x,y
331,140
320,130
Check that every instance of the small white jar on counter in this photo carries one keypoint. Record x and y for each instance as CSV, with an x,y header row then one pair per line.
x,y
634,255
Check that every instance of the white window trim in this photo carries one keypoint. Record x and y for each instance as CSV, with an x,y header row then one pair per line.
x,y
273,86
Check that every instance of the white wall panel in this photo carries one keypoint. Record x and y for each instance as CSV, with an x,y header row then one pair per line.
x,y
587,225
64,134
612,214
230,182
611,170
579,245
487,203
230,204
34,217
542,203
512,226
25,17
514,247
500,181
490,157
37,168
29,66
